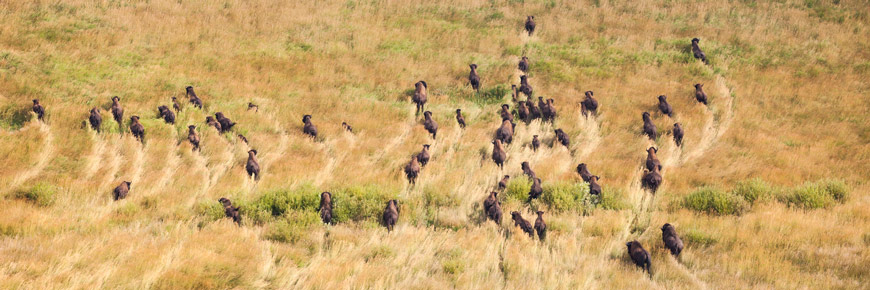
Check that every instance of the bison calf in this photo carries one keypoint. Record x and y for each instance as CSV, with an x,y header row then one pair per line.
x,y
522,223
530,25
412,170
652,161
420,95
473,78
347,127
423,156
121,190
498,153
309,128
492,207
38,109
196,101
504,182
193,137
652,179
167,114
460,119
594,187
137,129
524,64
589,104
527,170
525,88
117,110
96,119
648,127
252,166
214,123
326,207
536,143
700,95
541,226
391,214
536,190
230,211
678,134
430,124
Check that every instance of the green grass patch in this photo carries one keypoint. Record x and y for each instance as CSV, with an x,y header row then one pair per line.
x,y
292,227
700,238
565,196
517,189
612,198
753,190
41,194
820,194
715,201
360,203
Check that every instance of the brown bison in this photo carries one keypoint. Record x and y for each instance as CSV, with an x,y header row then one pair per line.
x,y
492,207
527,170
196,101
346,127
697,52
226,123
562,137
671,240
551,105
652,161
545,110
594,187
534,112
117,110
678,134
638,255
498,153
530,25
523,111
700,95
430,124
665,107
95,119
137,129
583,170
391,214
309,128
502,184
541,226
252,166
176,105
412,170
423,156
167,114
525,88
38,109
648,127
589,104
460,119
193,137
522,223
524,64
652,179
252,106
326,207
473,78
214,123
506,113
420,95
230,211
536,143
121,190
505,133
536,190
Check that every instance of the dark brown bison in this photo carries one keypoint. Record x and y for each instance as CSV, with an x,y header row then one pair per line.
x,y
429,124
638,255
473,78
524,64
505,133
423,156
665,107
551,106
121,190
697,52
594,187
242,137
346,127
137,129
391,214
460,119
196,101
534,112
530,25
525,88
648,127
502,184
38,109
536,190
167,114
226,123
536,143
176,105
700,95
214,123
671,240
523,224
652,179
527,170
420,95
96,119
506,113
589,104
545,110
117,110
678,134
541,226
583,170
252,166
309,128
412,170
252,106
652,161
562,137
492,207
326,207
515,93
231,211
498,153
193,137
523,111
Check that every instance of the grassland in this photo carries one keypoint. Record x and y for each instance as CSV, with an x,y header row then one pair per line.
x,y
769,190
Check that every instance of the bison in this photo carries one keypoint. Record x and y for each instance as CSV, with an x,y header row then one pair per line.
x,y
420,95
583,170
671,240
137,129
498,153
429,124
230,211
523,111
562,137
527,170
196,101
38,109
678,134
524,64
665,107
252,166
700,95
652,161
652,179
502,185
96,119
460,119
391,214
525,88
423,156
121,190
541,226
117,110
412,170
214,123
252,106
697,52
530,25
242,137
492,207
536,143
536,190
505,133
506,113
167,114
522,223
193,137
347,127
589,104
473,78
534,112
326,207
638,255
594,187
176,105
226,123
648,127
309,128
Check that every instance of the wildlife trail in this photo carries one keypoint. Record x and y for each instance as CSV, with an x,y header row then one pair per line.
x,y
45,155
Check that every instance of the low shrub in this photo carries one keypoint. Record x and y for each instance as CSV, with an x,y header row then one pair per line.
x,y
278,202
359,203
210,210
517,189
715,201
753,190
697,237
564,196
820,194
41,194
612,199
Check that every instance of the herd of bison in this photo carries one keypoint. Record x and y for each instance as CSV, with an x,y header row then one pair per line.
x,y
525,111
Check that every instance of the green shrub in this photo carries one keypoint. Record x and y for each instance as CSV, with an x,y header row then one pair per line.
x,y
517,189
489,96
359,203
41,194
612,198
697,237
753,190
210,210
564,196
820,194
293,226
715,201
278,202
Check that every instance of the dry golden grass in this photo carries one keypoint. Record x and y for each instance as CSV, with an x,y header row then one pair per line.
x,y
787,81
